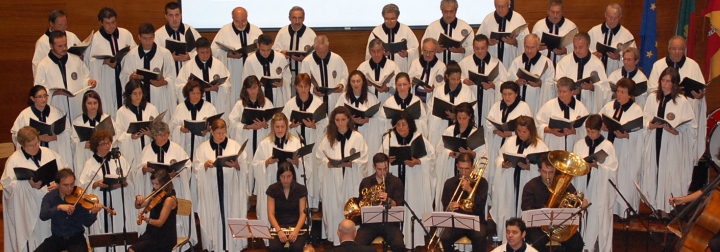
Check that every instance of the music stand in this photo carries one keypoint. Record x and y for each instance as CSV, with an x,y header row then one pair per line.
x,y
646,201
374,214
550,217
244,228
452,220
112,240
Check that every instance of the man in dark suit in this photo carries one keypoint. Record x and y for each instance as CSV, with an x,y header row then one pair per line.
x,y
346,232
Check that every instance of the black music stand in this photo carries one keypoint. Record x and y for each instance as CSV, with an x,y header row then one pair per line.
x,y
112,240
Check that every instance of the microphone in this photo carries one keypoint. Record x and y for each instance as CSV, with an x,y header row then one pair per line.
x,y
388,131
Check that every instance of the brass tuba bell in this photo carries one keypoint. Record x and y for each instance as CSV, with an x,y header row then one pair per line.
x,y
568,166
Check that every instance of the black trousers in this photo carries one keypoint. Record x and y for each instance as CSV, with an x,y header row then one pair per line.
x,y
539,240
451,235
714,244
54,243
276,246
390,233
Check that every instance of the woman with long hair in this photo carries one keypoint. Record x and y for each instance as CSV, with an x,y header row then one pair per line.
x,y
401,100
161,232
286,205
92,115
453,92
358,96
135,109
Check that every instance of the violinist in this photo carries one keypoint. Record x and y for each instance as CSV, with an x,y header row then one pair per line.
x,y
160,234
67,222
714,244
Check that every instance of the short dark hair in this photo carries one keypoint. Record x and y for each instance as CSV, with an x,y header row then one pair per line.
x,y
566,82
55,35
593,121
106,12
404,115
516,222
628,84
466,108
283,167
264,39
481,38
54,15
63,173
544,160
146,28
510,85
33,91
172,6
202,42
465,157
190,86
452,67
98,136
380,158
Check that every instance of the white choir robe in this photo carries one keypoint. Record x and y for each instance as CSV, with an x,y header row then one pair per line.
x,y
49,76
629,153
445,166
235,198
434,122
80,154
623,36
493,141
227,36
593,100
503,191
112,199
163,33
267,175
421,123
436,78
505,247
22,203
535,96
237,132
639,76
552,109
301,40
278,69
566,25
417,191
62,146
221,99
103,74
336,71
42,47
489,96
598,223
460,30
371,131
336,188
674,172
490,24
130,148
162,97
312,136
388,68
404,33
689,69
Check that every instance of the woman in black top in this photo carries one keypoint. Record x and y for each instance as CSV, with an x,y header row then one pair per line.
x,y
286,209
160,234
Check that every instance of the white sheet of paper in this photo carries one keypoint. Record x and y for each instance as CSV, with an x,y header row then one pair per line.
x,y
373,214
550,216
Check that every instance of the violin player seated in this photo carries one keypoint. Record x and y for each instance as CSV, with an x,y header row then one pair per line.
x,y
67,222
161,205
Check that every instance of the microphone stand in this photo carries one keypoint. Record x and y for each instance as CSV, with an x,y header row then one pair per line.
x,y
308,215
414,218
123,180
630,209
386,210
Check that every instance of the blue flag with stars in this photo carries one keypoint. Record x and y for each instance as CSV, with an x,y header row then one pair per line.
x,y
648,37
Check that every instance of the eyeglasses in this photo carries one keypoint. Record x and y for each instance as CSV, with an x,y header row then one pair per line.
x,y
104,143
45,96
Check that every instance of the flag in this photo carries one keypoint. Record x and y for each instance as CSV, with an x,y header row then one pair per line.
x,y
648,37
687,7
712,62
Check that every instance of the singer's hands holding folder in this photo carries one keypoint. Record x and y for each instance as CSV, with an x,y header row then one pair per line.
x,y
503,134
36,185
146,131
462,150
670,129
360,120
257,124
48,138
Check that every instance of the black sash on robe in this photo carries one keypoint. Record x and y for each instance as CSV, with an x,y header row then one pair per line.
x,y
608,39
448,30
659,131
42,116
147,57
553,29
566,111
502,23
218,149
627,74
481,64
323,67
113,40
138,111
61,63
391,33
528,62
505,110
343,138
35,158
303,106
255,104
176,35
592,144
581,66
295,45
619,110
194,109
377,68
265,63
464,134
403,141
205,67
243,37
107,196
425,76
676,65
522,145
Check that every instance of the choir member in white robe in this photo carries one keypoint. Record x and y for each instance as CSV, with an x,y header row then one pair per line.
x,y
162,150
23,231
452,92
427,68
392,31
454,28
109,195
598,223
266,63
415,174
445,158
358,97
669,151
509,181
567,107
401,100
135,109
328,69
223,191
582,65
176,30
610,33
208,68
535,94
152,57
60,70
377,68
294,37
504,20
108,41
309,131
556,24
92,116
58,22
631,57
339,183
40,111
238,34
687,68
628,145
481,62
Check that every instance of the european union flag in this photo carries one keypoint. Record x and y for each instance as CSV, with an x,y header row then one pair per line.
x,y
648,37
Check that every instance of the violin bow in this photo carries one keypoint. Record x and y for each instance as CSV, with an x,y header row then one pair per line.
x,y
91,181
167,183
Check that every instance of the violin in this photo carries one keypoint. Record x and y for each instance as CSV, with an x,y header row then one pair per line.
x,y
87,201
155,197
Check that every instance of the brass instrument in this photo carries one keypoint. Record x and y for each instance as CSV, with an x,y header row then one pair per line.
x,y
287,231
370,198
569,165
466,204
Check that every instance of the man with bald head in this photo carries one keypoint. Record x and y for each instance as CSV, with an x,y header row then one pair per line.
x,y
580,66
58,22
327,68
534,93
453,27
504,20
427,68
610,33
346,231
238,34
555,23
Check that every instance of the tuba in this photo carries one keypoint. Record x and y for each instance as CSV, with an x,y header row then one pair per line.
x,y
370,198
568,166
